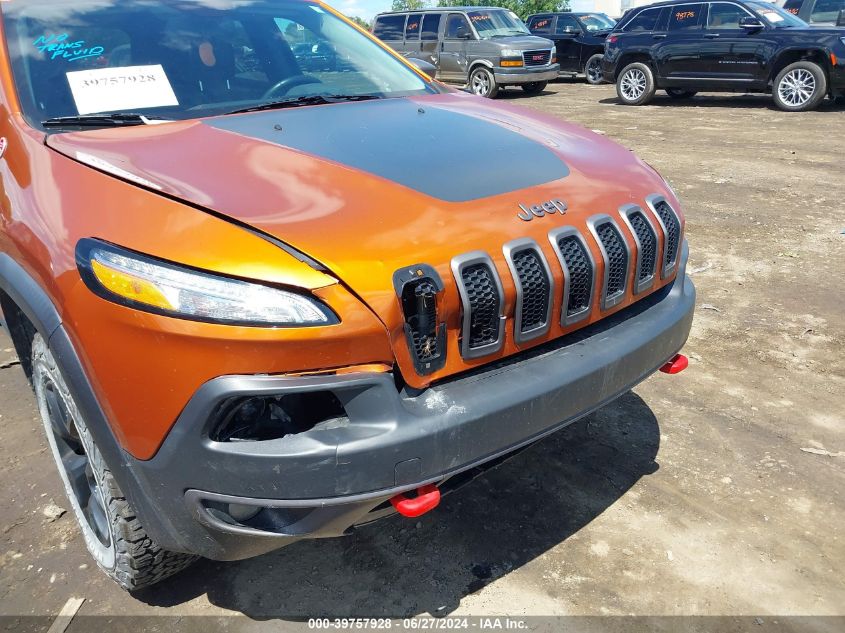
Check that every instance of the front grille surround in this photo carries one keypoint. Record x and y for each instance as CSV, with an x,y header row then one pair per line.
x,y
529,61
671,251
514,251
645,237
460,265
564,235
598,225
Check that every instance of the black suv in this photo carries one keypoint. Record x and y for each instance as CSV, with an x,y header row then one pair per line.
x,y
736,46
579,40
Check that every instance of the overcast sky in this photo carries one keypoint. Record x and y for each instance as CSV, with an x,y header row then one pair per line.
x,y
362,8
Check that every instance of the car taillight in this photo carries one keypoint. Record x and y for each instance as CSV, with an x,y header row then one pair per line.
x,y
611,39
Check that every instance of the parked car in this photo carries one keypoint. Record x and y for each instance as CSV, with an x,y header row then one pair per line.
x,y
579,40
315,56
259,312
817,12
742,45
485,48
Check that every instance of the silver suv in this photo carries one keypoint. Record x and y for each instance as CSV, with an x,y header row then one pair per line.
x,y
486,48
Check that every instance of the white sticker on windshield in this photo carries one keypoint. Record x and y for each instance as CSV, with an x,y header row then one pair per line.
x,y
772,16
116,89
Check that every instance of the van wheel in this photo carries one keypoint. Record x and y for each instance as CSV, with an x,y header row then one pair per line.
x,y
800,86
483,83
678,93
111,531
635,85
592,69
535,87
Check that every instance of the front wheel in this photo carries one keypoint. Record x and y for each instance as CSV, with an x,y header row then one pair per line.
x,y
592,69
800,86
678,93
111,531
483,83
635,84
535,87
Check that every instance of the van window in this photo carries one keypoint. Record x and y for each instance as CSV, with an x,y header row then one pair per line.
x,y
431,26
455,23
644,21
827,11
567,24
412,29
725,15
685,17
540,24
389,27
793,6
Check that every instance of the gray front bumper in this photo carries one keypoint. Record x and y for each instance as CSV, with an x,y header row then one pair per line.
x,y
510,76
320,483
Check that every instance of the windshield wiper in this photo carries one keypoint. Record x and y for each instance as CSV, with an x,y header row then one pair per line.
x,y
295,102
118,119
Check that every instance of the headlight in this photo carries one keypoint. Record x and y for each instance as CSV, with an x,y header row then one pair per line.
x,y
510,52
152,285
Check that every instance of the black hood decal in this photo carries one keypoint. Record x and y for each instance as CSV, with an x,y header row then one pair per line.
x,y
438,152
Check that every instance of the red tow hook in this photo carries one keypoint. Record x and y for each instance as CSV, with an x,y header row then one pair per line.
x,y
428,498
678,364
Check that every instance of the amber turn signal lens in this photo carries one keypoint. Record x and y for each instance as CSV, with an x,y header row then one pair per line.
x,y
130,287
512,63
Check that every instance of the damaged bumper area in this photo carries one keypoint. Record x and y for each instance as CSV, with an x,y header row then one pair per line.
x,y
226,491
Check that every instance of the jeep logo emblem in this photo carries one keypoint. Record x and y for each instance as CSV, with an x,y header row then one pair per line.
x,y
539,210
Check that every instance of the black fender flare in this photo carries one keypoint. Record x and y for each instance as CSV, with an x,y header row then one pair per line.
x,y
34,302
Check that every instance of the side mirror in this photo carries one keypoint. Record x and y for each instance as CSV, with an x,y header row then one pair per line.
x,y
841,20
751,24
424,66
464,33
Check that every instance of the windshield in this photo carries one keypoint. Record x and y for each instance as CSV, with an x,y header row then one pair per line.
x,y
776,16
497,23
596,22
180,59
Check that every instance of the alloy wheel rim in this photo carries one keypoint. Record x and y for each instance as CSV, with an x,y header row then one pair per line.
x,y
73,458
797,87
594,71
633,84
480,83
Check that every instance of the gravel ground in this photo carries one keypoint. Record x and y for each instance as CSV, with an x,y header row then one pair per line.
x,y
720,491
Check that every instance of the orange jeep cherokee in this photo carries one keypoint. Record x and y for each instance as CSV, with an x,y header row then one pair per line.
x,y
270,282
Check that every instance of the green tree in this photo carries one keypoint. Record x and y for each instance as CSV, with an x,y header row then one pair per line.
x,y
409,5
360,22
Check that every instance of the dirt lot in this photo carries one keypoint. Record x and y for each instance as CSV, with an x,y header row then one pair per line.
x,y
719,491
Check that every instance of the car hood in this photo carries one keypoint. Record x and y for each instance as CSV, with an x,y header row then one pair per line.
x,y
372,187
522,42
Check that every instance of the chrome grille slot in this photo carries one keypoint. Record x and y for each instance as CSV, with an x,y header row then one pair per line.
x,y
646,238
482,301
534,289
578,271
617,259
670,224
536,58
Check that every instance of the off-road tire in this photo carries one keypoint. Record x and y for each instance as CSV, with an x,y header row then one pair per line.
x,y
131,558
810,76
592,70
535,87
483,83
680,93
635,85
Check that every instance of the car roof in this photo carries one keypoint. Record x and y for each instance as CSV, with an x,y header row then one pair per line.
x,y
445,9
